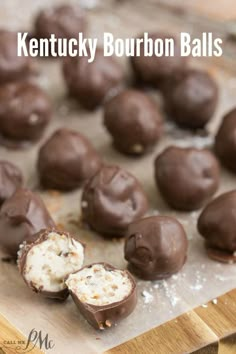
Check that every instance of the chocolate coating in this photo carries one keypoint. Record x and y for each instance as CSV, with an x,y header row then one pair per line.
x,y
67,160
186,177
64,21
100,316
90,83
217,224
192,100
21,216
12,67
225,141
111,200
25,110
155,247
134,122
40,237
10,179
157,70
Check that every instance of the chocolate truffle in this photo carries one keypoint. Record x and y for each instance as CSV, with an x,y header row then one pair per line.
x,y
111,200
90,83
12,67
25,110
217,224
192,100
21,216
103,294
225,141
155,247
45,263
64,21
156,70
66,160
134,122
10,179
186,177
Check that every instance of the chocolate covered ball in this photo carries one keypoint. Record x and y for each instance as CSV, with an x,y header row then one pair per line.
x,y
186,177
111,200
191,101
133,121
45,263
25,110
90,83
217,224
12,66
225,141
64,21
155,247
67,160
10,179
21,216
156,70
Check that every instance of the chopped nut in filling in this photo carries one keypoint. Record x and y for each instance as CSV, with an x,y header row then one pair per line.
x,y
49,262
99,286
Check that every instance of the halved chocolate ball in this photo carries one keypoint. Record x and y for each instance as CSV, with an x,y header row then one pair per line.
x,y
103,294
111,200
225,141
21,217
134,122
45,263
90,83
191,101
66,160
186,177
25,111
155,247
10,179
217,224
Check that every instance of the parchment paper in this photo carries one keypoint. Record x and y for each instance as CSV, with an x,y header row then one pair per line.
x,y
200,280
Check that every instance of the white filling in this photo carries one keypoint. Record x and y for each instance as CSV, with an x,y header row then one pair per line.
x,y
49,262
97,286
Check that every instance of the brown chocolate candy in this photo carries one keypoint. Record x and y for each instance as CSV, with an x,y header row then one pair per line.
x,y
25,110
100,300
45,263
67,160
10,179
21,216
156,70
191,101
111,200
12,67
225,141
64,21
186,177
155,247
217,224
134,122
90,83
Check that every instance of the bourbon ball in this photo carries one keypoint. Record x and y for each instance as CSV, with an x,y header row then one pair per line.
x,y
10,179
12,66
186,177
90,83
217,224
157,70
111,200
25,111
66,160
134,122
225,141
64,21
191,101
155,247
